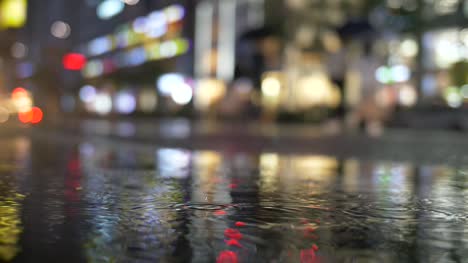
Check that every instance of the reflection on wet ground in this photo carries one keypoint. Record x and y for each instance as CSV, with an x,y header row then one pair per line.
x,y
100,202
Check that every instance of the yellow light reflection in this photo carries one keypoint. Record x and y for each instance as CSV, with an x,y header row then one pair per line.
x,y
269,168
10,227
315,166
207,176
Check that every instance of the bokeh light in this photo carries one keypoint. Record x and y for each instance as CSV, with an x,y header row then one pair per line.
x,y
453,97
271,87
169,81
156,24
400,73
33,116
174,13
125,102
182,95
74,61
109,8
408,96
60,29
37,115
19,92
13,13
147,100
139,25
25,117
19,50
21,99
409,48
103,104
131,2
383,74
88,94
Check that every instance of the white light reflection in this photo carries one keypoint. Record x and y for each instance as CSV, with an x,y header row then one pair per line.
x,y
173,163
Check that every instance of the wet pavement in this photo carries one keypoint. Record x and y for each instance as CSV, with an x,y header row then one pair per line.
x,y
67,198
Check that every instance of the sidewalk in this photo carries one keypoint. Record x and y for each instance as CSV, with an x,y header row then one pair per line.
x,y
401,145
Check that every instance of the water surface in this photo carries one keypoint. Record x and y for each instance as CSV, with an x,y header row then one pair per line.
x,y
105,202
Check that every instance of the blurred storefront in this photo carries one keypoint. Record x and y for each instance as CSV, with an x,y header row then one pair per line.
x,y
143,66
370,59
219,25
286,60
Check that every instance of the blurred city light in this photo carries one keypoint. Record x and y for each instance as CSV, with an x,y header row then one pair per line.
x,y
271,87
25,117
359,58
156,25
33,116
408,96
148,100
409,48
102,104
140,24
131,2
88,94
167,82
125,102
19,50
317,90
182,94
74,61
109,8
174,13
453,97
209,92
37,115
383,74
60,29
100,46
400,73
21,99
13,13
19,92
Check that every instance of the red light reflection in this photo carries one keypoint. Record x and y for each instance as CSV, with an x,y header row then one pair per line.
x,y
308,256
240,224
233,243
315,247
233,233
227,257
219,213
